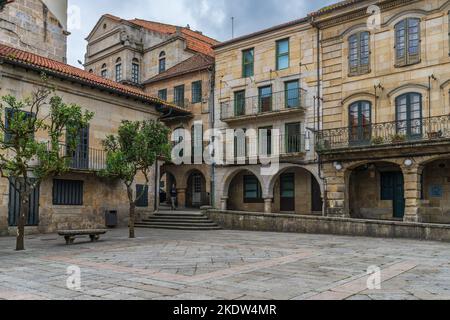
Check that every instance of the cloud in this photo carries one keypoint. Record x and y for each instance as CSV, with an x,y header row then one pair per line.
x,y
212,17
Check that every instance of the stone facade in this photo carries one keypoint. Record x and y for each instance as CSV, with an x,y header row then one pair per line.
x,y
297,150
403,131
29,25
98,194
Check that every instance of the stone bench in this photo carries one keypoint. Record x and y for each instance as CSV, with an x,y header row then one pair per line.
x,y
70,235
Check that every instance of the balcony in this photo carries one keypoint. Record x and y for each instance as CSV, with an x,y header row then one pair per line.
x,y
277,103
425,130
89,159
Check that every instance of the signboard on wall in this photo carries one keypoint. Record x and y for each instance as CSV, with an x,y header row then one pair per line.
x,y
436,191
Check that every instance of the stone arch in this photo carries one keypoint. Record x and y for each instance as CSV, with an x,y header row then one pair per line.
x,y
356,97
283,168
196,197
233,173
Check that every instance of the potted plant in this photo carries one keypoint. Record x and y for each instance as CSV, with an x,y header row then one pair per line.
x,y
377,140
435,134
398,138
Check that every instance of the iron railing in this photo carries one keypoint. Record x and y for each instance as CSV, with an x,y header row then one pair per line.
x,y
84,159
387,133
258,105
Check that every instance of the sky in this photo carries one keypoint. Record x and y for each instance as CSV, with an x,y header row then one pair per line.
x,y
212,17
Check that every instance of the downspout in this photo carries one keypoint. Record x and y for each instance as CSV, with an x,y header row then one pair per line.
x,y
319,116
212,122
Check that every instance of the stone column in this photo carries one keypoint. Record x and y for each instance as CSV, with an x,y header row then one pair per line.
x,y
335,192
181,197
413,187
268,205
224,203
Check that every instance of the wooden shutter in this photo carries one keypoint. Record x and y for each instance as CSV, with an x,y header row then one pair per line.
x,y
400,43
413,57
353,45
14,206
364,50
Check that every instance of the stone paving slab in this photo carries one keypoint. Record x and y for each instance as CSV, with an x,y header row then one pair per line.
x,y
227,265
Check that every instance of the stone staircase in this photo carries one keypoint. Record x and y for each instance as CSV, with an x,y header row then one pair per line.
x,y
177,220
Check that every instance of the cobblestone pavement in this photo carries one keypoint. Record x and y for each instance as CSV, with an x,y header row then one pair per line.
x,y
164,264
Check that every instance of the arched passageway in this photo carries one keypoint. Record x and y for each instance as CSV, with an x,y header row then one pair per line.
x,y
196,192
245,192
376,191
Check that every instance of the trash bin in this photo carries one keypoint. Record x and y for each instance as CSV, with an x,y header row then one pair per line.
x,y
111,218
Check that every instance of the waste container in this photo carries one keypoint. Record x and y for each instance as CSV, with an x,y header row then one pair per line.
x,y
111,218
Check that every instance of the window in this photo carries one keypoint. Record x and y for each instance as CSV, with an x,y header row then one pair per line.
x,y
409,115
252,190
359,119
265,141
162,94
179,96
292,94
196,91
67,192
239,103
142,192
240,144
9,115
135,71
80,156
359,53
119,70
265,99
178,138
104,71
162,62
248,58
283,54
407,42
293,137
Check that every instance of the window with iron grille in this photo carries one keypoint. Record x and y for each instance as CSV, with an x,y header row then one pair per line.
x,y
359,53
142,192
248,58
407,42
196,91
68,192
162,94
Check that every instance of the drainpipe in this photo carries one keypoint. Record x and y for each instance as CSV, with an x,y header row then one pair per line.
x,y
212,122
430,77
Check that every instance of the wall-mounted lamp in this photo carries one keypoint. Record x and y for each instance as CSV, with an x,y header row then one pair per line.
x,y
338,166
408,162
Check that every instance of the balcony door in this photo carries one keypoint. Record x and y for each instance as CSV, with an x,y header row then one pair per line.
x,y
409,115
360,114
80,156
265,99
293,139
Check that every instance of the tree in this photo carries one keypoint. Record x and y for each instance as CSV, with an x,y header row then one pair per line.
x,y
24,160
134,151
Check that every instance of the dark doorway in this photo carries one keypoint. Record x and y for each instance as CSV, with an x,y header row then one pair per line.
x,y
316,196
392,188
15,203
287,192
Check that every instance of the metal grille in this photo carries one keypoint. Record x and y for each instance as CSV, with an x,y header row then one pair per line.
x,y
68,192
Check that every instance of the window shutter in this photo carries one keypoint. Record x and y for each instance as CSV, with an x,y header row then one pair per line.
x,y
352,46
364,52
400,43
413,55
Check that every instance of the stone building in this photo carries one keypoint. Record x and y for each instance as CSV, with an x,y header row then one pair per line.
x,y
177,65
36,26
79,198
384,147
265,93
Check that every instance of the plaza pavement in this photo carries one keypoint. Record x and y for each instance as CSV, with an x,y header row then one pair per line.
x,y
165,264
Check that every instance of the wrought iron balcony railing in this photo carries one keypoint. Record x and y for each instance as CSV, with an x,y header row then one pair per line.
x,y
263,104
382,134
84,159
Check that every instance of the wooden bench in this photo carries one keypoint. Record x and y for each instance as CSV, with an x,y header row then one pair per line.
x,y
70,235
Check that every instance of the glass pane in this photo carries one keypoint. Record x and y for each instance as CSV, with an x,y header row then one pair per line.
x,y
283,62
364,48
265,99
353,51
292,95
400,39
283,46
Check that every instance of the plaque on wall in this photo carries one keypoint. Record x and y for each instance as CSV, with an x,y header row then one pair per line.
x,y
436,191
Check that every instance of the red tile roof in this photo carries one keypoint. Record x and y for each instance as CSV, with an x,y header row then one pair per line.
x,y
195,63
27,59
195,41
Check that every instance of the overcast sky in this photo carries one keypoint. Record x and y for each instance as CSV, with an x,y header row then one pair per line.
x,y
213,17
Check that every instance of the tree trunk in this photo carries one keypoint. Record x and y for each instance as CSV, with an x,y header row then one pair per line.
x,y
132,213
23,216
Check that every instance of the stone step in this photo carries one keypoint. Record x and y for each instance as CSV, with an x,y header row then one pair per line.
x,y
171,227
150,220
164,216
180,223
